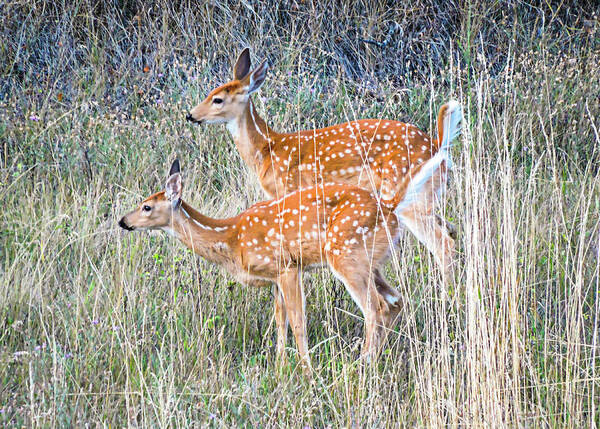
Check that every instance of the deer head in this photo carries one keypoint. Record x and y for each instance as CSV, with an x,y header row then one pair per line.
x,y
156,211
229,101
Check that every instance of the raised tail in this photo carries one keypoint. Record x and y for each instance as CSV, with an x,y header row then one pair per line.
x,y
449,127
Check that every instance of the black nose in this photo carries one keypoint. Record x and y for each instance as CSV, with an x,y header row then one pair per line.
x,y
123,225
190,118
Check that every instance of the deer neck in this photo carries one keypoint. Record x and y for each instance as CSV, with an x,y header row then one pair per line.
x,y
207,237
252,136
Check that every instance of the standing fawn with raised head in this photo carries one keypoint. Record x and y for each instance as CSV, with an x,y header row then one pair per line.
x,y
374,154
339,226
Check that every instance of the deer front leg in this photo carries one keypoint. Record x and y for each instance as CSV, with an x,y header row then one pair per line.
x,y
293,297
282,323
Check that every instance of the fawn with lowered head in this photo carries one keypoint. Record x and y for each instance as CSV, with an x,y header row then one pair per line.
x,y
338,226
375,154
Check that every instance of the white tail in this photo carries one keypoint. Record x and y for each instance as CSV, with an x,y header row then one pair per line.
x,y
452,122
449,120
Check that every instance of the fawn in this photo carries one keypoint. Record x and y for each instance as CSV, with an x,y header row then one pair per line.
x,y
339,226
375,154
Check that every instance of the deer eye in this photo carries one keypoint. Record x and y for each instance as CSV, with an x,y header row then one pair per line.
x,y
146,208
217,100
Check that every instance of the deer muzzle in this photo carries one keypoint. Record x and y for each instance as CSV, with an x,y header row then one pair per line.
x,y
124,225
190,118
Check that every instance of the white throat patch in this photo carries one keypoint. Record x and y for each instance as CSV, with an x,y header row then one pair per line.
x,y
233,128
170,231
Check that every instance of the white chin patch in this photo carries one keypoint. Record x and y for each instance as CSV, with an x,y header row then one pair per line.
x,y
214,121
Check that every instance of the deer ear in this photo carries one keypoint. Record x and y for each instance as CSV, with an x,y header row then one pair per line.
x,y
173,188
175,168
257,78
242,65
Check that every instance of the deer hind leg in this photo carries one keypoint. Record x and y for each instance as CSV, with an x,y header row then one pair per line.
x,y
429,228
449,226
426,229
362,288
281,321
293,297
391,296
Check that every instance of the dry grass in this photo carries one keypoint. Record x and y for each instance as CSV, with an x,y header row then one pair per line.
x,y
99,326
